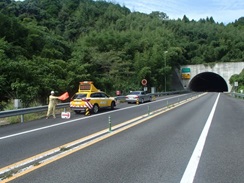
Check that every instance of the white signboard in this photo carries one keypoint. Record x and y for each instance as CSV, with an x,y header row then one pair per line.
x,y
65,115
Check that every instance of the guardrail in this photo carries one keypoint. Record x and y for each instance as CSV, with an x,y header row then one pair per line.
x,y
237,95
23,111
158,94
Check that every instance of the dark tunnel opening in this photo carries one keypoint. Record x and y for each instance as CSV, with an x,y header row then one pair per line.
x,y
208,82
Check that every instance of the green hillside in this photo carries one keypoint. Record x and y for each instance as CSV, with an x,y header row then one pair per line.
x,y
54,44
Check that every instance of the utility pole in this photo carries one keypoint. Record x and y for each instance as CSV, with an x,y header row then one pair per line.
x,y
165,63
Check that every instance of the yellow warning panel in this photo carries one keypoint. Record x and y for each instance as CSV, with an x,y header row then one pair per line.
x,y
186,76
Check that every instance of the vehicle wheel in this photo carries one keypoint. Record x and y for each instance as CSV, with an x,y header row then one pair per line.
x,y
112,105
142,100
95,109
77,112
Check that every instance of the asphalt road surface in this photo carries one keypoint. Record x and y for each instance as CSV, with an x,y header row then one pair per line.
x,y
198,141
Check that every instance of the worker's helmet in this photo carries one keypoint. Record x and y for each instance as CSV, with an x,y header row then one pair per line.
x,y
52,92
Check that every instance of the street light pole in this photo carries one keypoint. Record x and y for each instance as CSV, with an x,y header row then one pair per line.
x,y
165,79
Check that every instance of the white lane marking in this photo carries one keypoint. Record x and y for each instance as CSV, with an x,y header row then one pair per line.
x,y
191,168
63,123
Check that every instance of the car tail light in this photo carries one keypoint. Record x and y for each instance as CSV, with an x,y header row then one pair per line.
x,y
136,97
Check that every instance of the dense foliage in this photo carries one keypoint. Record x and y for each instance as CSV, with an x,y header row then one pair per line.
x,y
53,44
239,79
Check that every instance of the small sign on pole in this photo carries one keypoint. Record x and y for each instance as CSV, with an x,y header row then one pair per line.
x,y
17,103
65,115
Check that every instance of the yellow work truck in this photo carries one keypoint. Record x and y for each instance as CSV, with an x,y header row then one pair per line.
x,y
90,98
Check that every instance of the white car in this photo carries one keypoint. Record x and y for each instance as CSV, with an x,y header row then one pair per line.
x,y
140,96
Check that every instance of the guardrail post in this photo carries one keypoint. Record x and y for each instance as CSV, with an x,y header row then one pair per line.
x,y
22,118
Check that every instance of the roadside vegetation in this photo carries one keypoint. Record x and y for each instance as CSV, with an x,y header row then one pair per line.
x,y
53,45
27,117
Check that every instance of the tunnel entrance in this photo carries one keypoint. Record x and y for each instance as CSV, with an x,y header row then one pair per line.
x,y
208,82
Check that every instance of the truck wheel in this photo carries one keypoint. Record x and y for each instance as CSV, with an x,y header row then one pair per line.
x,y
95,109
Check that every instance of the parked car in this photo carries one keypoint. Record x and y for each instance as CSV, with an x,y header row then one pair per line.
x,y
140,96
89,94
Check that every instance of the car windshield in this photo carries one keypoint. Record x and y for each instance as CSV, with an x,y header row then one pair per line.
x,y
134,93
80,96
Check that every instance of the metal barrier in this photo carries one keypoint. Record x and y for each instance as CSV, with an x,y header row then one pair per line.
x,y
22,111
158,94
237,95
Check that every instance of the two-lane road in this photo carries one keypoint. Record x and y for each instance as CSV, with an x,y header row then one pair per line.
x,y
200,141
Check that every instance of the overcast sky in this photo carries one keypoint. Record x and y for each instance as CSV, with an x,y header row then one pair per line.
x,y
225,11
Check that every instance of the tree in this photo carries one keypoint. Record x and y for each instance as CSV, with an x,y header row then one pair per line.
x,y
239,78
56,44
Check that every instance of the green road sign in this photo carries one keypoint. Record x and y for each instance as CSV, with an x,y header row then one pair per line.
x,y
186,69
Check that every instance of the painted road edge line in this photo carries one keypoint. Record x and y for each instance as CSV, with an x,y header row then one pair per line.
x,y
191,168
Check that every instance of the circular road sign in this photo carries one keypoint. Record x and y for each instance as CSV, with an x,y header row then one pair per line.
x,y
144,82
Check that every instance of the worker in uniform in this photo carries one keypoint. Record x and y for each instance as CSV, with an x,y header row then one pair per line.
x,y
53,100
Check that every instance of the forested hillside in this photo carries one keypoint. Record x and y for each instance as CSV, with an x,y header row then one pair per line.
x,y
54,44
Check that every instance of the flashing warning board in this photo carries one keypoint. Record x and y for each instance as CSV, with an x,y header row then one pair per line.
x,y
86,86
